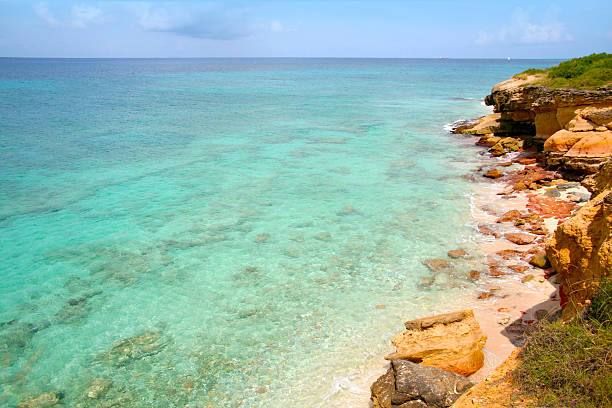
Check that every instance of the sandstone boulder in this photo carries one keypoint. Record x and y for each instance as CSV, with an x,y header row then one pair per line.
x,y
520,238
451,341
488,140
599,114
511,215
493,174
562,141
581,248
592,144
485,125
409,385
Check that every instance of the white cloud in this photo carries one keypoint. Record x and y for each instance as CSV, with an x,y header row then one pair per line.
x,y
276,26
83,15
80,16
521,30
42,10
210,21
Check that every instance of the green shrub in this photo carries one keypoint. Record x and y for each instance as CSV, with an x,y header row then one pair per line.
x,y
570,365
592,71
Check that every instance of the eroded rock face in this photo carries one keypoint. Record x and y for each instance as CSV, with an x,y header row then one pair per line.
x,y
410,385
581,248
574,124
451,341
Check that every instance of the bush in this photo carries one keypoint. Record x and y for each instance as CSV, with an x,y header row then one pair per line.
x,y
570,365
592,71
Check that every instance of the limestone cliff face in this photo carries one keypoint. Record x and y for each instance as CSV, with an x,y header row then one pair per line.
x,y
581,248
574,126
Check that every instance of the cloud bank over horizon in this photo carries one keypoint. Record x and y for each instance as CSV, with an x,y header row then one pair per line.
x,y
392,28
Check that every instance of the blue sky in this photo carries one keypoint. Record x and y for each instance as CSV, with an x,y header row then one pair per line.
x,y
408,28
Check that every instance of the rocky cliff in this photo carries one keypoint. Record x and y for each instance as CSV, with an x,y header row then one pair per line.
x,y
581,248
573,126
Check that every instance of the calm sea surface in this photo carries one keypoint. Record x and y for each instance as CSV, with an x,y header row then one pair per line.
x,y
242,221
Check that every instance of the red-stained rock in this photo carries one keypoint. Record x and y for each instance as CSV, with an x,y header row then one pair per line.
x,y
526,160
510,253
520,238
549,206
510,216
518,268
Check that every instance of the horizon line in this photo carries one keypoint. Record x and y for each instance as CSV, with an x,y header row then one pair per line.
x,y
299,57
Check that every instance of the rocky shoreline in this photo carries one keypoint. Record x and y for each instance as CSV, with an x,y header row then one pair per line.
x,y
547,240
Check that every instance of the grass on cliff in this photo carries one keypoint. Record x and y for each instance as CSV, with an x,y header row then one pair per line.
x,y
570,365
592,71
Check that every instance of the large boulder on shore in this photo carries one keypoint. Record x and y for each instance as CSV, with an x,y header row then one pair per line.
x,y
451,341
410,385
581,248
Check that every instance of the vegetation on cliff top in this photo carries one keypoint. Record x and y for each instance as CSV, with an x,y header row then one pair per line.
x,y
570,365
588,72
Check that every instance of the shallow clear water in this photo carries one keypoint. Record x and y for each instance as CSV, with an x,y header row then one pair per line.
x,y
246,215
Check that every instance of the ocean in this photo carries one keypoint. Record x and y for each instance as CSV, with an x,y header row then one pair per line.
x,y
228,232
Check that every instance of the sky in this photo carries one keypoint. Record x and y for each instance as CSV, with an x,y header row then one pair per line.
x,y
315,28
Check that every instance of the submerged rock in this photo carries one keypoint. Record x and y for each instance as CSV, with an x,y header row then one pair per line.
x,y
259,238
44,400
323,236
98,388
347,210
451,341
410,385
437,265
456,253
134,348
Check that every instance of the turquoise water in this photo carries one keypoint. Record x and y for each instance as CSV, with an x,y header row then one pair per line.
x,y
243,217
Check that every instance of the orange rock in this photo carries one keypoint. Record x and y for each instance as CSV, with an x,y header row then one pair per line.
x,y
562,141
592,144
510,216
456,253
498,390
493,174
520,238
526,160
581,248
495,272
518,268
451,341
474,274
